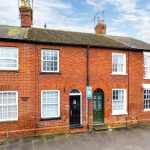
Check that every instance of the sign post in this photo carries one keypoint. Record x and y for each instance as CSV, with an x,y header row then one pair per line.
x,y
89,92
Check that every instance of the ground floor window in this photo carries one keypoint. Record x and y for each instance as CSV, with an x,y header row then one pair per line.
x,y
147,99
50,103
8,105
119,101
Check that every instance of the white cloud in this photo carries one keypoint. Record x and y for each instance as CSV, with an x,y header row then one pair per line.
x,y
56,4
97,4
123,5
140,20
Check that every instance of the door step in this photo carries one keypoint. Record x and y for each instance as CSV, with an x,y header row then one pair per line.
x,y
100,127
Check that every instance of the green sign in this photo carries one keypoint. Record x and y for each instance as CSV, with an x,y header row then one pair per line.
x,y
89,92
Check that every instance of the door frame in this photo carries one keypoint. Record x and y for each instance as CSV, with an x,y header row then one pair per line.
x,y
102,92
76,94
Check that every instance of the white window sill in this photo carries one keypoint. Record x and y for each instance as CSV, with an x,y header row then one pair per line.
x,y
119,74
9,69
10,120
51,117
120,113
147,110
147,78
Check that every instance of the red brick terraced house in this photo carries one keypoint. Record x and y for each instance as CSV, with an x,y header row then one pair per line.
x,y
44,74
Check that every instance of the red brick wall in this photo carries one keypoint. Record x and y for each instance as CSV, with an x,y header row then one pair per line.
x,y
29,81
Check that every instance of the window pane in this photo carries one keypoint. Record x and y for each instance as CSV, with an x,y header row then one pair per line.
x,y
44,66
54,110
1,98
55,56
11,98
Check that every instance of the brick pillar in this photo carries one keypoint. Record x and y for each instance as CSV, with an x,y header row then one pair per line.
x,y
26,16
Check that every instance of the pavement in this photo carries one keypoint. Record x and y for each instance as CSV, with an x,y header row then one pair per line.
x,y
121,139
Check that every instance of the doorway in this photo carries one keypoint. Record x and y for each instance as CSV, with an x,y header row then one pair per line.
x,y
98,107
75,108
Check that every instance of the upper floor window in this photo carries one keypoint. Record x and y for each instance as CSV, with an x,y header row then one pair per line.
x,y
50,60
118,63
147,65
8,105
8,58
119,101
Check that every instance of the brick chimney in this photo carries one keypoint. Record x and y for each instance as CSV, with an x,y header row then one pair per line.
x,y
26,14
100,28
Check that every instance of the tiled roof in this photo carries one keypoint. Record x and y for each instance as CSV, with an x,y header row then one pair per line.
x,y
131,42
69,38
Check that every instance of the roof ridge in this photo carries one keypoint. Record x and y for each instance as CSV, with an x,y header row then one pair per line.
x,y
67,31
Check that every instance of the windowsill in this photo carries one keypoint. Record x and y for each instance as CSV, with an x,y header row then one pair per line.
x,y
6,70
9,121
117,114
147,110
146,78
50,73
46,119
119,74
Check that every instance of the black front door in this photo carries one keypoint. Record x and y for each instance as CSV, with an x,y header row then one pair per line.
x,y
75,110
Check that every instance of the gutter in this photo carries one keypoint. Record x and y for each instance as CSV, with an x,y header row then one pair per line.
x,y
71,44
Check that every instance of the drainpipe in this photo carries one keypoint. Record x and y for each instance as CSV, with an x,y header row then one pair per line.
x,y
128,86
87,83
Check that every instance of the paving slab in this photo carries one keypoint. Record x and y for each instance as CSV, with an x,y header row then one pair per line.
x,y
122,139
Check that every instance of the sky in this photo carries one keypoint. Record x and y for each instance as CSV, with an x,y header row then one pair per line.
x,y
122,17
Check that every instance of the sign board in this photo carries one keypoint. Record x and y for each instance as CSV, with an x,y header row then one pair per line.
x,y
89,92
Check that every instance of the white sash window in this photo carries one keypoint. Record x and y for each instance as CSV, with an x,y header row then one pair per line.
x,y
8,58
50,103
8,105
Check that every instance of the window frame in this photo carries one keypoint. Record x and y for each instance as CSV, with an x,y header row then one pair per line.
x,y
125,65
124,111
50,117
17,59
146,87
13,119
43,61
146,54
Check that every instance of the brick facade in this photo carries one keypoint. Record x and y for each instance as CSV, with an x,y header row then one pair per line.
x,y
29,81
